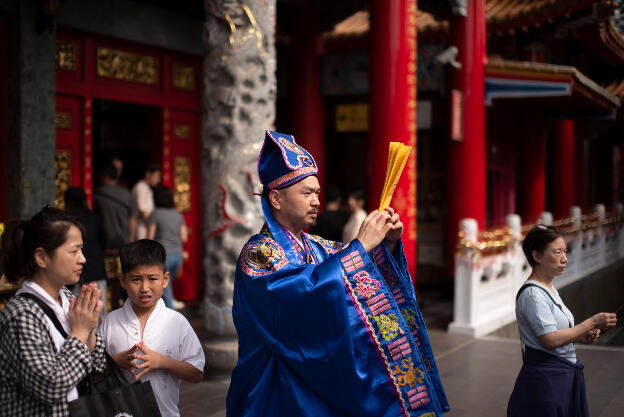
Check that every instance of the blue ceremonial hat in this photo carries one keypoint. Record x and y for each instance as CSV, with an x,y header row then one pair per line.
x,y
282,162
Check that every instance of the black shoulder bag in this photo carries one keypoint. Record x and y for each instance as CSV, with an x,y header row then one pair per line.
x,y
106,394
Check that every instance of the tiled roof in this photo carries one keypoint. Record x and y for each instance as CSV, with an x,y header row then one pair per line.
x,y
503,16
507,16
358,25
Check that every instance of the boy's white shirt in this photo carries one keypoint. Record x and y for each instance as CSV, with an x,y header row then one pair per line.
x,y
166,332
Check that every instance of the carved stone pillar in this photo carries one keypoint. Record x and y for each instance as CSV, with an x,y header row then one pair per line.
x,y
238,105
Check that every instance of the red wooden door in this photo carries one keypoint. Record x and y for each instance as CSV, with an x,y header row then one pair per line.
x,y
181,172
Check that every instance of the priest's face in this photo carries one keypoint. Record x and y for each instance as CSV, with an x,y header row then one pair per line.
x,y
297,206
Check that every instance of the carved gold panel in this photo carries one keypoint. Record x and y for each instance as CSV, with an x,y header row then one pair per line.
x,y
63,177
65,55
120,65
182,183
182,131
183,77
63,120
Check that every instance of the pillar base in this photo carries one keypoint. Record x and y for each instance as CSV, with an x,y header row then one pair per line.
x,y
221,357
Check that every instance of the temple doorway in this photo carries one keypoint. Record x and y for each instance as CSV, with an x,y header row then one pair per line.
x,y
129,132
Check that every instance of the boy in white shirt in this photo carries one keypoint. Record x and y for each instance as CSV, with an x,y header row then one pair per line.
x,y
148,340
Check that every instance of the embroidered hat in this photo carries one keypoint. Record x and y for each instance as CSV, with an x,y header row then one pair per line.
x,y
282,162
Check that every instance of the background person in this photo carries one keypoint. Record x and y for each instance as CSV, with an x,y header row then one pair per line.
x,y
143,199
93,250
551,381
356,202
113,204
331,221
39,367
167,227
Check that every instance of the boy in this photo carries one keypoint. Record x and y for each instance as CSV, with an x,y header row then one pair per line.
x,y
150,341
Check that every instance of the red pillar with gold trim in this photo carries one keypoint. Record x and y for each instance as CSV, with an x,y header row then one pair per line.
x,y
467,157
393,108
306,100
563,192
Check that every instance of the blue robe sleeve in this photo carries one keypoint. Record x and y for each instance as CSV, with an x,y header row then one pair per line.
x,y
393,267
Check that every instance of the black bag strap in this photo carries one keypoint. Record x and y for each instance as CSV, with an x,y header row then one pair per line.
x,y
90,384
528,284
47,310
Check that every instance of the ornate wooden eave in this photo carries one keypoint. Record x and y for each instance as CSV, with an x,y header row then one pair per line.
x,y
549,75
503,17
604,40
616,88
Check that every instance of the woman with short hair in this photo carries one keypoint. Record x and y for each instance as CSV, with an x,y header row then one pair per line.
x,y
551,381
48,342
167,227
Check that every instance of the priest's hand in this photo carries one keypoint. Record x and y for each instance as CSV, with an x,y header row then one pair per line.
x,y
374,229
396,230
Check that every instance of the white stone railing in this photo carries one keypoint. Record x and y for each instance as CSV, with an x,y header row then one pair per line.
x,y
490,266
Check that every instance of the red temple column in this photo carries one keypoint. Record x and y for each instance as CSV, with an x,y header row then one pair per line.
x,y
563,164
532,181
467,157
393,108
305,95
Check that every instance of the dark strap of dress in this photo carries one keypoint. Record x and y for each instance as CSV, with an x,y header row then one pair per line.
x,y
47,310
527,285
524,287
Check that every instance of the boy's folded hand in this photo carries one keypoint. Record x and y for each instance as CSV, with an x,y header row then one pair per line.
x,y
124,359
151,360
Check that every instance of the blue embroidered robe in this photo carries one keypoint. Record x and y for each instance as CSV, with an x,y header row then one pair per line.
x,y
342,337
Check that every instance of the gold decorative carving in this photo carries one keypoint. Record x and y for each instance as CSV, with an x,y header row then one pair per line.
x,y
120,65
65,55
183,77
63,120
63,176
182,131
182,183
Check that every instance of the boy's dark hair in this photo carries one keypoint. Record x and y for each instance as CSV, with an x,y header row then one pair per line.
x,y
163,197
144,252
538,239
153,167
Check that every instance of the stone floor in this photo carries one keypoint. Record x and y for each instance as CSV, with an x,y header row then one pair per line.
x,y
478,376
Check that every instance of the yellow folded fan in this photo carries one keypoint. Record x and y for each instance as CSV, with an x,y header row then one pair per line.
x,y
397,158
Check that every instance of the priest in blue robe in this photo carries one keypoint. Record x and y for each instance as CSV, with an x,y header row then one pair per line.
x,y
325,330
